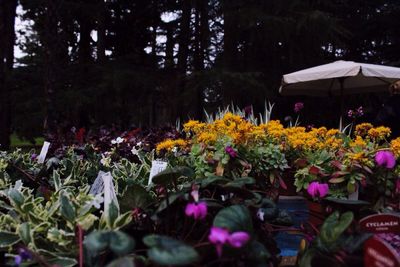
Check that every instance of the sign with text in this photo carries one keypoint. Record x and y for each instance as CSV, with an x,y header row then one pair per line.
x,y
98,184
381,223
377,253
157,166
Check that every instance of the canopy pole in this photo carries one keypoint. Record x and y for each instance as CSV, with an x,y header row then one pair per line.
x,y
341,81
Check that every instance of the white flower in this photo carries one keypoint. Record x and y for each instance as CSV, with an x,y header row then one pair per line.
x,y
260,215
175,149
118,140
135,151
139,143
105,160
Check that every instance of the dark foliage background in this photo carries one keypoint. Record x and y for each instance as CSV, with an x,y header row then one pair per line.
x,y
148,62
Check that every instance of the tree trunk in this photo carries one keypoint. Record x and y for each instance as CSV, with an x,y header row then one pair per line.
x,y
101,32
7,37
51,39
183,54
84,41
200,48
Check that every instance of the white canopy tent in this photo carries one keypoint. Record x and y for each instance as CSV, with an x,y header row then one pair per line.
x,y
339,78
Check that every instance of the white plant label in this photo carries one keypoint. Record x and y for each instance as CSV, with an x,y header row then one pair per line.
x,y
109,192
98,185
43,152
353,196
157,166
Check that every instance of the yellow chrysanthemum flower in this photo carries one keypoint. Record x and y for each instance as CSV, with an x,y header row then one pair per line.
x,y
395,146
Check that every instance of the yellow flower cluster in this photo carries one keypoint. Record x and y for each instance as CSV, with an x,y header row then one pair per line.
x,y
234,127
358,142
169,144
395,146
360,157
363,128
379,133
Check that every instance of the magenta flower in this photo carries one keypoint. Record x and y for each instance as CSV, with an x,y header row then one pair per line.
x,y
197,210
218,237
385,159
298,107
316,189
232,152
238,239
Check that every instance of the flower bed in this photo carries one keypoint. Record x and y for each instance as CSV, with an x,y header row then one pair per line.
x,y
94,204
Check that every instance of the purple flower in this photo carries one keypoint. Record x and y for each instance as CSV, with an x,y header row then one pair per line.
x,y
298,107
385,159
360,111
238,239
232,152
23,254
218,237
353,114
350,113
33,156
316,189
197,210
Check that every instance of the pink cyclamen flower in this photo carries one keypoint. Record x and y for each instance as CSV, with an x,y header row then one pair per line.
x,y
316,189
298,107
232,152
197,210
218,237
385,159
238,239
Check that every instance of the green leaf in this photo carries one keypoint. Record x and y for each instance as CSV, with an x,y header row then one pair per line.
x,y
123,220
117,241
171,199
307,257
67,210
24,231
112,214
121,243
167,251
171,174
122,262
336,180
16,197
234,218
335,225
351,188
8,239
257,252
56,180
62,261
135,196
242,181
204,182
